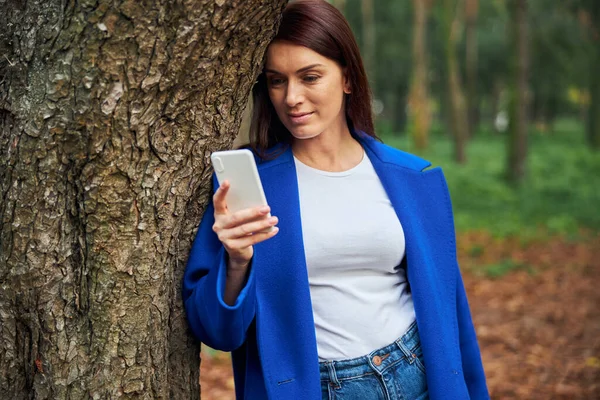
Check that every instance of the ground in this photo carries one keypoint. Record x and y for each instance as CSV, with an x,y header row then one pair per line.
x,y
536,308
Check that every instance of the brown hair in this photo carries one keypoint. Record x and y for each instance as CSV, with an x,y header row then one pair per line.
x,y
319,26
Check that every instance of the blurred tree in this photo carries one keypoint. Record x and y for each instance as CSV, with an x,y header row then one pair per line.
x,y
369,39
108,111
491,64
593,126
471,14
558,61
419,96
391,78
453,25
394,58
519,92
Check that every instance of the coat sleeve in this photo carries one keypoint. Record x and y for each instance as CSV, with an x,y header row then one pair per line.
x,y
469,348
212,321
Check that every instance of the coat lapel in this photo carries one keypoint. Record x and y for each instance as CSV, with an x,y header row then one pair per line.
x,y
283,295
422,204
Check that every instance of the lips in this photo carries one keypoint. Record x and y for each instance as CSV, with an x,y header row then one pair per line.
x,y
299,118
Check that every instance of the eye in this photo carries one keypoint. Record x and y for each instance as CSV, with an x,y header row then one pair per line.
x,y
275,81
311,78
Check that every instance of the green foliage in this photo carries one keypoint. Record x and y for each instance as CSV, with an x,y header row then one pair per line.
x,y
560,195
502,268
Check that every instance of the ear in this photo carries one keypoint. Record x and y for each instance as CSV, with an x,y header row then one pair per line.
x,y
347,87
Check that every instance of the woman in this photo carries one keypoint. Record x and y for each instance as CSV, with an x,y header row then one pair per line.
x,y
358,295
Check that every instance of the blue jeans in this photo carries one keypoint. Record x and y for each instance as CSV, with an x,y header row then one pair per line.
x,y
394,372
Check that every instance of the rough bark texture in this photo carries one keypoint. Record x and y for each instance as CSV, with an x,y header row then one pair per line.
x,y
108,113
517,143
419,93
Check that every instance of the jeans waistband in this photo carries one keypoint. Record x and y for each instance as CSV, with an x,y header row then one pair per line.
x,y
375,362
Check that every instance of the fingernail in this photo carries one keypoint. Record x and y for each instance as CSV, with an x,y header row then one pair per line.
x,y
273,220
275,229
264,209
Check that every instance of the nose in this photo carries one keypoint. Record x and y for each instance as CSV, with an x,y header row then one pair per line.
x,y
293,95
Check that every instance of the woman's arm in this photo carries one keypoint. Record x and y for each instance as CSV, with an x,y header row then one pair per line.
x,y
218,287
214,322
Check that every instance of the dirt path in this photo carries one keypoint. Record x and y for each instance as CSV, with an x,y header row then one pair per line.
x,y
538,324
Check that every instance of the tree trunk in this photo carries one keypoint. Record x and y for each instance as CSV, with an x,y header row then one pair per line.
x,y
593,131
368,33
497,105
472,9
458,111
419,97
593,126
517,143
108,112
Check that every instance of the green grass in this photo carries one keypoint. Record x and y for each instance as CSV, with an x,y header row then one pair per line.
x,y
502,268
560,194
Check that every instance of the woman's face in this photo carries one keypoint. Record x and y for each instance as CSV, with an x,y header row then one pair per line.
x,y
306,89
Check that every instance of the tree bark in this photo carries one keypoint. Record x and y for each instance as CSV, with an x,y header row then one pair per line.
x,y
458,111
517,141
419,96
108,113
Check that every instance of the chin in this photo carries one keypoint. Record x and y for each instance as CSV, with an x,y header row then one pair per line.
x,y
303,133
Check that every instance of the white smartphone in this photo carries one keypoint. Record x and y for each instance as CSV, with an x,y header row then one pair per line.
x,y
239,168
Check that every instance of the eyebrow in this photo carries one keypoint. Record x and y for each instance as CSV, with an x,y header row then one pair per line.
x,y
298,71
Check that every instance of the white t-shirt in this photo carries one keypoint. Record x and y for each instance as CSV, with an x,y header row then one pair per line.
x,y
354,244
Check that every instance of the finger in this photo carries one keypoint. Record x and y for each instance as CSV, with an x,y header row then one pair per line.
x,y
219,198
246,215
251,228
251,240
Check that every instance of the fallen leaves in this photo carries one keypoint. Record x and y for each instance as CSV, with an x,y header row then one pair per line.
x,y
539,329
216,377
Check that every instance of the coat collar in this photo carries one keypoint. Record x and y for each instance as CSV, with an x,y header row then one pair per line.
x,y
376,151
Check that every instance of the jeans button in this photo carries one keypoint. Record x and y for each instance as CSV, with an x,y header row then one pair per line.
x,y
377,361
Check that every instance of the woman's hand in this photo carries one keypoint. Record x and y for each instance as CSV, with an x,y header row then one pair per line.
x,y
241,230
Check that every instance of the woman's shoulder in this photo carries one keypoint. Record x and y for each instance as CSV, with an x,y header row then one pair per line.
x,y
392,155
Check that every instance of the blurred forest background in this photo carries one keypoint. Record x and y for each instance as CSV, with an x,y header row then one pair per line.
x,y
505,96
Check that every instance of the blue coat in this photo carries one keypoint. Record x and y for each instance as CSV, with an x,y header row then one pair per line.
x,y
271,330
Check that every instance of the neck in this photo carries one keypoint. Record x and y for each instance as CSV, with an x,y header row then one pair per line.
x,y
329,152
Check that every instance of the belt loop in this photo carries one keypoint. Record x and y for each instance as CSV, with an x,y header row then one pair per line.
x,y
402,345
332,376
405,350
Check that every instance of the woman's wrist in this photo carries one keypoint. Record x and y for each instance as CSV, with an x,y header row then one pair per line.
x,y
237,266
237,275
